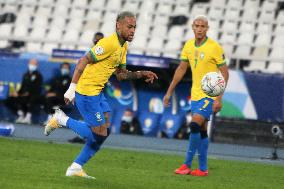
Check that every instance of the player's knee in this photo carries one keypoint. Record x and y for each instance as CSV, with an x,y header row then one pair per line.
x,y
194,127
203,134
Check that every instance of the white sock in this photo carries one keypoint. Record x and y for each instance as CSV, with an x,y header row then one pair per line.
x,y
28,115
63,120
75,165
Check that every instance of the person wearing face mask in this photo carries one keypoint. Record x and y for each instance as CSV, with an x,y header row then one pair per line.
x,y
130,124
28,97
54,96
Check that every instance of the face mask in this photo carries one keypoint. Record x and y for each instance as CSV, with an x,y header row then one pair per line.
x,y
32,67
127,119
64,71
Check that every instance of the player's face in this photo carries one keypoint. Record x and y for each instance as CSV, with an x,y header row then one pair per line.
x,y
200,28
127,27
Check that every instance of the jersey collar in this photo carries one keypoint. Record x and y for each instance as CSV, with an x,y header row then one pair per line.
x,y
201,43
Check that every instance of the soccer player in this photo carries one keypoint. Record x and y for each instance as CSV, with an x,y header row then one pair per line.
x,y
203,55
92,72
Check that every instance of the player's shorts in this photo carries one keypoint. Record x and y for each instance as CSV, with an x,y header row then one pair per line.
x,y
92,108
202,107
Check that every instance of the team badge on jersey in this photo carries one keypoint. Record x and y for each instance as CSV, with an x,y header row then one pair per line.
x,y
99,50
98,116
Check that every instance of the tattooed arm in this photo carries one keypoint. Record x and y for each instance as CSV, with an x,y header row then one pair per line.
x,y
81,65
124,74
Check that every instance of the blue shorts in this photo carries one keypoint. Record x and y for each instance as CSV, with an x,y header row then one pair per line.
x,y
202,107
92,108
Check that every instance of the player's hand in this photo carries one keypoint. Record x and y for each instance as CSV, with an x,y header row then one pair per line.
x,y
150,76
69,95
217,105
166,100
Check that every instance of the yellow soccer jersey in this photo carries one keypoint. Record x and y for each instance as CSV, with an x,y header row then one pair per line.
x,y
107,55
202,59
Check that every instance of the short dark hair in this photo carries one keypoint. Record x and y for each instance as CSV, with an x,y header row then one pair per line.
x,y
65,63
99,33
124,14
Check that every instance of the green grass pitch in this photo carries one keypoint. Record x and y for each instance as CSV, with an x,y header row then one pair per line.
x,y
40,165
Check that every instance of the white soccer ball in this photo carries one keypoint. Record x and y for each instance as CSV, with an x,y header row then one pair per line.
x,y
213,84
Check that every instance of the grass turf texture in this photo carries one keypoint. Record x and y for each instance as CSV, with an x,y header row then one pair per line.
x,y
40,165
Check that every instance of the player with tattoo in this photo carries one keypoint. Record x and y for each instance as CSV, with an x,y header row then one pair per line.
x,y
92,72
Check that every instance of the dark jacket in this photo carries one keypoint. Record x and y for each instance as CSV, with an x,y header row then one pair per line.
x,y
60,85
31,83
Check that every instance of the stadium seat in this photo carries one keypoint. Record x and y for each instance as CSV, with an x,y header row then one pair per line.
x,y
246,38
228,48
93,14
215,12
98,4
263,39
9,8
3,43
147,7
247,26
256,66
218,3
181,9
20,31
63,2
229,26
251,4
113,5
38,33
87,38
58,23
160,19
243,51
278,41
188,34
277,54
232,14
269,5
54,34
155,46
172,48
43,11
176,32
280,17
107,28
250,14
264,28
68,47
5,30
235,3
137,46
77,13
74,24
48,47
80,3
198,9
279,29
33,47
40,21
131,5
159,31
142,30
260,52
266,16
92,25
71,36
228,38
275,67
46,2
110,17
164,8
60,11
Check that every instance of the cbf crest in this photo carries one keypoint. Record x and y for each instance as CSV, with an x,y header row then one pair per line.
x,y
98,116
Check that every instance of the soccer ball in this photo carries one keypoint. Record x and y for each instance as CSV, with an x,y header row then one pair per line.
x,y
213,84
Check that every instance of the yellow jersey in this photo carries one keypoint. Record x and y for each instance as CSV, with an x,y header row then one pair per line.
x,y
202,59
107,54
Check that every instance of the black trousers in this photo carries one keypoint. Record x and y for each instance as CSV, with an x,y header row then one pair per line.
x,y
50,102
24,103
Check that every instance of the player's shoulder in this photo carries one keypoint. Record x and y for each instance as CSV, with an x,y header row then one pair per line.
x,y
214,43
189,42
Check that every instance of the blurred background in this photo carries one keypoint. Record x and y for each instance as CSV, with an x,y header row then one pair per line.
x,y
57,31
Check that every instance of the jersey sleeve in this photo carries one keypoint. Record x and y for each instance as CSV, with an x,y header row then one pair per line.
x,y
219,57
184,54
102,50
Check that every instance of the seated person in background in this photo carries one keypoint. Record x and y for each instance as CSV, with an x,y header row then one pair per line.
x,y
130,124
29,95
184,130
55,95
